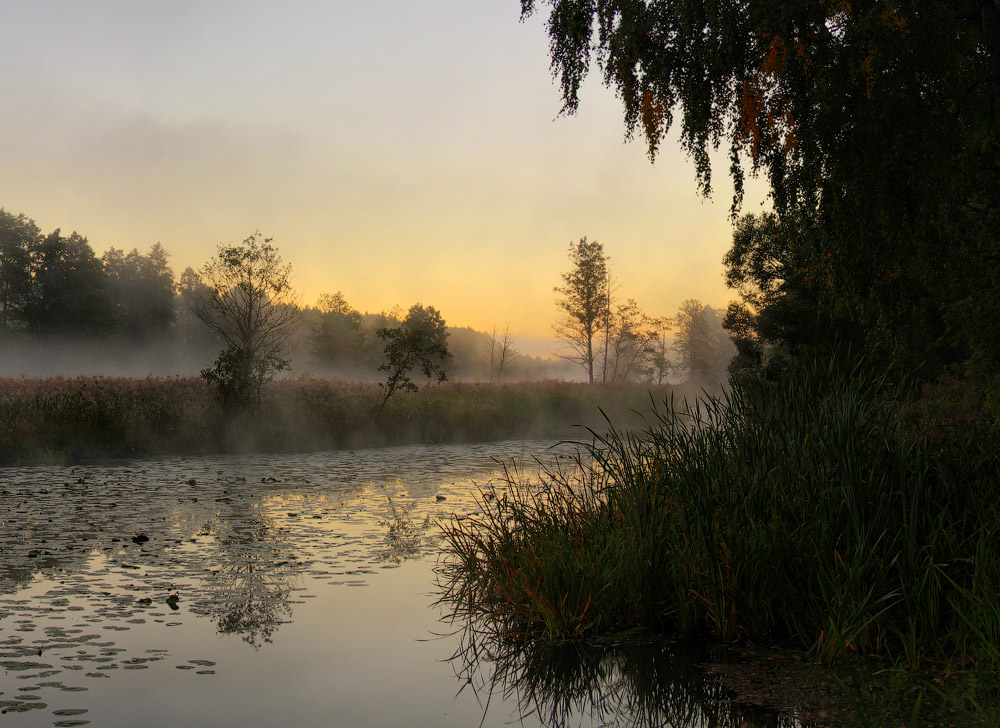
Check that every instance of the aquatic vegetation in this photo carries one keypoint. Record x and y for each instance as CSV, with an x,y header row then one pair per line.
x,y
809,511
114,577
65,420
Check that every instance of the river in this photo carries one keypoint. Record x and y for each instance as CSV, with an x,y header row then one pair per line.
x,y
296,590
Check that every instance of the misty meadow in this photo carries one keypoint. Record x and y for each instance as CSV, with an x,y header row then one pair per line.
x,y
238,321
554,440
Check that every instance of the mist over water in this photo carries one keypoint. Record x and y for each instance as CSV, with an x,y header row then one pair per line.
x,y
65,311
73,357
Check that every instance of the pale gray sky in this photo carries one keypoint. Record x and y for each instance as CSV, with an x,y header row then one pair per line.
x,y
396,150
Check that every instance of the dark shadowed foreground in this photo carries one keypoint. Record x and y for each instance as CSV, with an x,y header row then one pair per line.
x,y
823,512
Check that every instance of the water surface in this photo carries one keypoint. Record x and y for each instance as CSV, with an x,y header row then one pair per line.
x,y
284,589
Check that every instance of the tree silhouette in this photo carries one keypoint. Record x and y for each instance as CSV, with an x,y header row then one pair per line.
x,y
419,341
502,351
874,123
142,291
19,241
251,306
338,338
703,349
69,289
584,301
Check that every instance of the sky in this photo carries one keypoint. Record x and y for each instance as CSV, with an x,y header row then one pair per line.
x,y
399,151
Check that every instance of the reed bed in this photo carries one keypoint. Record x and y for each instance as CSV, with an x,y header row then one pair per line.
x,y
60,420
819,511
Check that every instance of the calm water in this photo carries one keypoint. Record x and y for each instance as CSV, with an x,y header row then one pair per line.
x,y
289,590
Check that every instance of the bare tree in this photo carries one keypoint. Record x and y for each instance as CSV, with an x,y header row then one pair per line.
x,y
608,321
659,361
251,306
493,348
502,351
584,303
631,343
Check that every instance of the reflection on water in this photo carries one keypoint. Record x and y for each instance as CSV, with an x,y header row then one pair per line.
x,y
99,563
233,581
403,536
639,683
255,571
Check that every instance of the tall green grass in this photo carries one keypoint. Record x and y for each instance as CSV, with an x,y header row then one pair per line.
x,y
818,511
65,420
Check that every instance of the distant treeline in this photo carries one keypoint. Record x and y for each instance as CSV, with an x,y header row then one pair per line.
x,y
64,310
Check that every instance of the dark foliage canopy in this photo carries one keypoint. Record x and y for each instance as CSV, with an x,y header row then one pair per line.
x,y
19,240
251,306
55,285
142,290
338,337
70,289
874,121
420,341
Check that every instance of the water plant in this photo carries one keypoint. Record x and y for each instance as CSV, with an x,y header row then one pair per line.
x,y
809,511
66,420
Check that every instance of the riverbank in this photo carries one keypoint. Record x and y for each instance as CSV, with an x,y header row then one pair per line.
x,y
822,512
58,420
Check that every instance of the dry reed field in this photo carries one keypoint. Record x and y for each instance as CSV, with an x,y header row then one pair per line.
x,y
59,420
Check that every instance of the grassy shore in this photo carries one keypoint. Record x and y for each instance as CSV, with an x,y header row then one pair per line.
x,y
820,512
65,420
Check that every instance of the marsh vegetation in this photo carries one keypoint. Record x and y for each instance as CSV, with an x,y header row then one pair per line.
x,y
838,497
820,512
66,420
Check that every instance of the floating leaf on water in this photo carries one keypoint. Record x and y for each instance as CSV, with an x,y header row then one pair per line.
x,y
15,706
14,666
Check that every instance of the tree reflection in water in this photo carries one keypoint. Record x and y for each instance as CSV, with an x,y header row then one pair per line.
x,y
253,574
404,537
630,683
